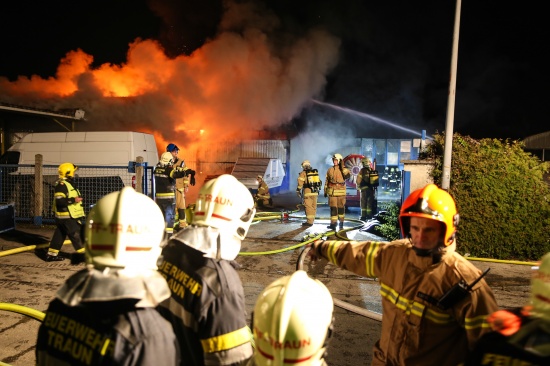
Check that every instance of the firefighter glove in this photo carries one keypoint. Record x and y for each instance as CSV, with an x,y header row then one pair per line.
x,y
192,179
298,192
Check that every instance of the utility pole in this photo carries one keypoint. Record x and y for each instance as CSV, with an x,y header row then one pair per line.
x,y
445,182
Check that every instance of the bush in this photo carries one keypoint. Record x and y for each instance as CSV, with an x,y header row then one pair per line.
x,y
389,229
502,199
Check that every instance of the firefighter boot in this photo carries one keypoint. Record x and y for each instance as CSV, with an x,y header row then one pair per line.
x,y
77,258
332,226
341,225
53,258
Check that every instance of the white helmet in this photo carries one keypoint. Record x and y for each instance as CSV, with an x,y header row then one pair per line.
x,y
294,310
337,157
166,159
306,163
226,204
124,230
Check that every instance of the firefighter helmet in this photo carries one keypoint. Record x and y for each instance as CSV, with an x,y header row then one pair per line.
x,y
166,159
124,230
305,164
365,162
540,288
67,170
294,310
226,204
259,177
337,157
432,203
172,147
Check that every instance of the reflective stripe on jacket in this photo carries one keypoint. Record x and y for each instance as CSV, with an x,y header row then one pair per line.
x,y
414,331
335,183
207,307
65,193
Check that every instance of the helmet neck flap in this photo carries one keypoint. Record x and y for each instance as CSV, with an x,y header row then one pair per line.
x,y
212,242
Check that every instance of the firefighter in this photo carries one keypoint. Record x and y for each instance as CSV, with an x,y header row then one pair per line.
x,y
105,314
367,183
335,189
295,310
165,178
520,336
182,185
431,314
69,216
262,197
308,188
207,306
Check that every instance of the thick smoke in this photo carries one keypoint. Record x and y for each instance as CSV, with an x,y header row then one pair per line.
x,y
250,76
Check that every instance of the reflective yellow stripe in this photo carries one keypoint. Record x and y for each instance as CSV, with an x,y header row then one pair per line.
x,y
226,341
477,322
165,194
413,307
369,261
331,251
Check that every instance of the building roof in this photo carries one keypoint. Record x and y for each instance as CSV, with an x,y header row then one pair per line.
x,y
538,141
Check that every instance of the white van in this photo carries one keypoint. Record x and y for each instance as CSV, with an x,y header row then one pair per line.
x,y
112,148
96,148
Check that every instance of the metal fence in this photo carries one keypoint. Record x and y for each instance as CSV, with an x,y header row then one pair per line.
x,y
30,188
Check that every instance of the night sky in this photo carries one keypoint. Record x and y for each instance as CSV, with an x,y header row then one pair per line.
x,y
393,60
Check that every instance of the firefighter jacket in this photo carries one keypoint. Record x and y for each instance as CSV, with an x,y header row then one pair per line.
x,y
414,330
165,179
188,177
207,306
107,318
308,181
263,191
335,181
366,178
518,339
64,204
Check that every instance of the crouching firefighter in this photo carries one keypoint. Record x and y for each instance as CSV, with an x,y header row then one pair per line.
x,y
308,189
367,184
106,313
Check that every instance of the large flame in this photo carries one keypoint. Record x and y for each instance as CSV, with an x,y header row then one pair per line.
x,y
238,82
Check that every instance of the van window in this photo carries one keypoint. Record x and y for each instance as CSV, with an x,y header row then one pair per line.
x,y
10,157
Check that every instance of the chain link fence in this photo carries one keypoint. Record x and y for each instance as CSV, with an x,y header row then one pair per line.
x,y
30,188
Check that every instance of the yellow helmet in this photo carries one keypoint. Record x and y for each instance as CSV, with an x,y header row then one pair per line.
x,y
294,310
124,230
67,170
365,162
540,288
337,157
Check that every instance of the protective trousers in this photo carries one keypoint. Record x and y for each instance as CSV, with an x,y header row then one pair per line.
x,y
337,206
310,206
367,201
180,205
70,227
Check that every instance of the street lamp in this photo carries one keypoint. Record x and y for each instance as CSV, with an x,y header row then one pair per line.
x,y
445,182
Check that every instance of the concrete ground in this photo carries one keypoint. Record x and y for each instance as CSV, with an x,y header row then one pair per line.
x,y
271,250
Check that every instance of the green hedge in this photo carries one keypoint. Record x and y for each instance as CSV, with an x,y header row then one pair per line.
x,y
502,199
